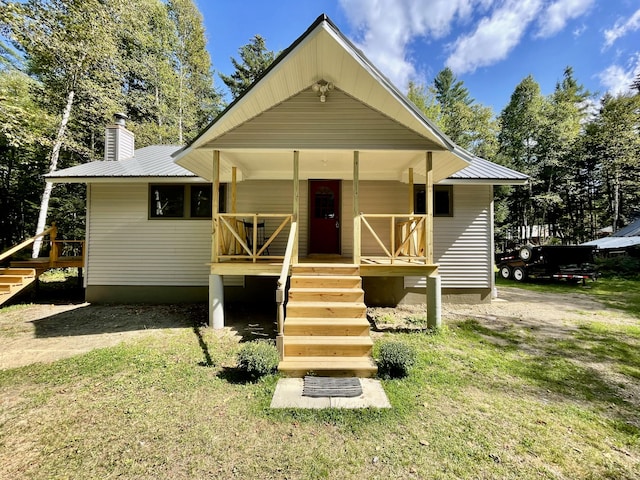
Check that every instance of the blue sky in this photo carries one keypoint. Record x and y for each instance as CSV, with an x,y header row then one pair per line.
x,y
490,44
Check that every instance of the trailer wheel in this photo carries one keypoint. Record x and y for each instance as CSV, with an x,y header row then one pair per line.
x,y
519,274
525,254
505,272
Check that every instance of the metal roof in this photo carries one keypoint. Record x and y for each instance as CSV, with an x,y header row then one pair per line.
x,y
152,161
608,243
631,230
488,172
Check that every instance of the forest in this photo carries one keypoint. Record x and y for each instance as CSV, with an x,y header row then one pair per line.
x,y
67,66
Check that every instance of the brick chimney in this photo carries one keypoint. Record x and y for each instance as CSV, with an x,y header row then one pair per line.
x,y
118,141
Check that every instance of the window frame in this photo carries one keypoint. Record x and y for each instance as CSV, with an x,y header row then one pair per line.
x,y
187,196
419,190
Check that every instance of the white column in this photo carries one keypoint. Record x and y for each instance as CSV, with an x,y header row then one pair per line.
x,y
434,310
216,302
357,247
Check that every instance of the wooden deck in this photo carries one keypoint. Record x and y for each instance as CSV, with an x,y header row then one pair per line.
x,y
378,267
44,263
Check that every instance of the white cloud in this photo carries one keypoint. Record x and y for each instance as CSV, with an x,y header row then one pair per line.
x,y
388,26
617,79
386,29
494,36
621,28
556,15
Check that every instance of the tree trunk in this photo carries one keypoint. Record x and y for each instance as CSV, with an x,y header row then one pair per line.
x,y
616,202
53,164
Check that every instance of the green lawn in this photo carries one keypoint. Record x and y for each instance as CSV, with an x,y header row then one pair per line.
x,y
479,404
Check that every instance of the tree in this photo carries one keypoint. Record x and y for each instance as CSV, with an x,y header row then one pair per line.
x,y
636,83
449,90
521,122
614,140
198,102
70,48
254,60
426,102
559,198
23,130
167,81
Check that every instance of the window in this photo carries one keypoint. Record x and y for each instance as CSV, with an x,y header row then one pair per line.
x,y
183,201
325,203
442,200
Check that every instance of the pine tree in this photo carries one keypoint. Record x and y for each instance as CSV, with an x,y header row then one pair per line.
x,y
254,60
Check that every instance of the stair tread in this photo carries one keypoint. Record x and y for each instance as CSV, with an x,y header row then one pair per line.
x,y
325,277
327,289
324,265
320,303
340,320
327,363
330,339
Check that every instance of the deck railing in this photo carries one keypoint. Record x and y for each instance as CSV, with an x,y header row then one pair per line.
x,y
406,238
51,231
59,249
282,283
239,235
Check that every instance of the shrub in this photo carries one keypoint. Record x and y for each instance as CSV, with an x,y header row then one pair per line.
x,y
622,266
395,359
258,358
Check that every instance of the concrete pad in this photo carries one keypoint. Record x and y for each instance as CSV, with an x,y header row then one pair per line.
x,y
288,394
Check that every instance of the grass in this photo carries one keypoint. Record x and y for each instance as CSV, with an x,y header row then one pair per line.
x,y
479,403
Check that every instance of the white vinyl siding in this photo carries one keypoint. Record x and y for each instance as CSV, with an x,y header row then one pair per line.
x,y
462,243
126,248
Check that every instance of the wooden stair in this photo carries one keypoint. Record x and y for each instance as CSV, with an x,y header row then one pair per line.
x,y
13,280
326,331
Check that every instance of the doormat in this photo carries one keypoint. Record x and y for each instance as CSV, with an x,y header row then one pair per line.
x,y
331,387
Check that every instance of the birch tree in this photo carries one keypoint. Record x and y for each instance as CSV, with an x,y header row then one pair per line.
x,y
70,48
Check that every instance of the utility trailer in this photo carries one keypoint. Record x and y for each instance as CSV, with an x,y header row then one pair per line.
x,y
572,263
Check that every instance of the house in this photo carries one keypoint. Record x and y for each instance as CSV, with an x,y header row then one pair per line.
x,y
625,240
321,169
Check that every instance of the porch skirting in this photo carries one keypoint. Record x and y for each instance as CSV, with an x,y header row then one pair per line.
x,y
151,294
379,291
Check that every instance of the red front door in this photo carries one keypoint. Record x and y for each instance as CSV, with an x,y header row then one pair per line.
x,y
324,216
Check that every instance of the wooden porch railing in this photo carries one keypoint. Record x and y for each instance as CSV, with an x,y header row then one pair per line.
x,y
59,248
406,241
282,284
234,243
52,231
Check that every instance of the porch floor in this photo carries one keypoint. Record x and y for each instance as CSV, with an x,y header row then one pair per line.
x,y
369,266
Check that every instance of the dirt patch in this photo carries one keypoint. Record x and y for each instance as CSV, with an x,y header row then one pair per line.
x,y
551,315
45,333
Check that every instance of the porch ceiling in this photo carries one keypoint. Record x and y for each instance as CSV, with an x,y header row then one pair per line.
x,y
249,139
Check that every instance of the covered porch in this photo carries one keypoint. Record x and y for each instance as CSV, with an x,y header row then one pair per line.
x,y
270,244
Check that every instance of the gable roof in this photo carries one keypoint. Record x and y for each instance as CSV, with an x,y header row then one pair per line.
x,y
324,54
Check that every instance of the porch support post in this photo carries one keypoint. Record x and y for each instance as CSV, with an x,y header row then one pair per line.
x,y
434,311
215,207
296,200
216,287
357,237
216,302
234,194
428,231
412,208
434,314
